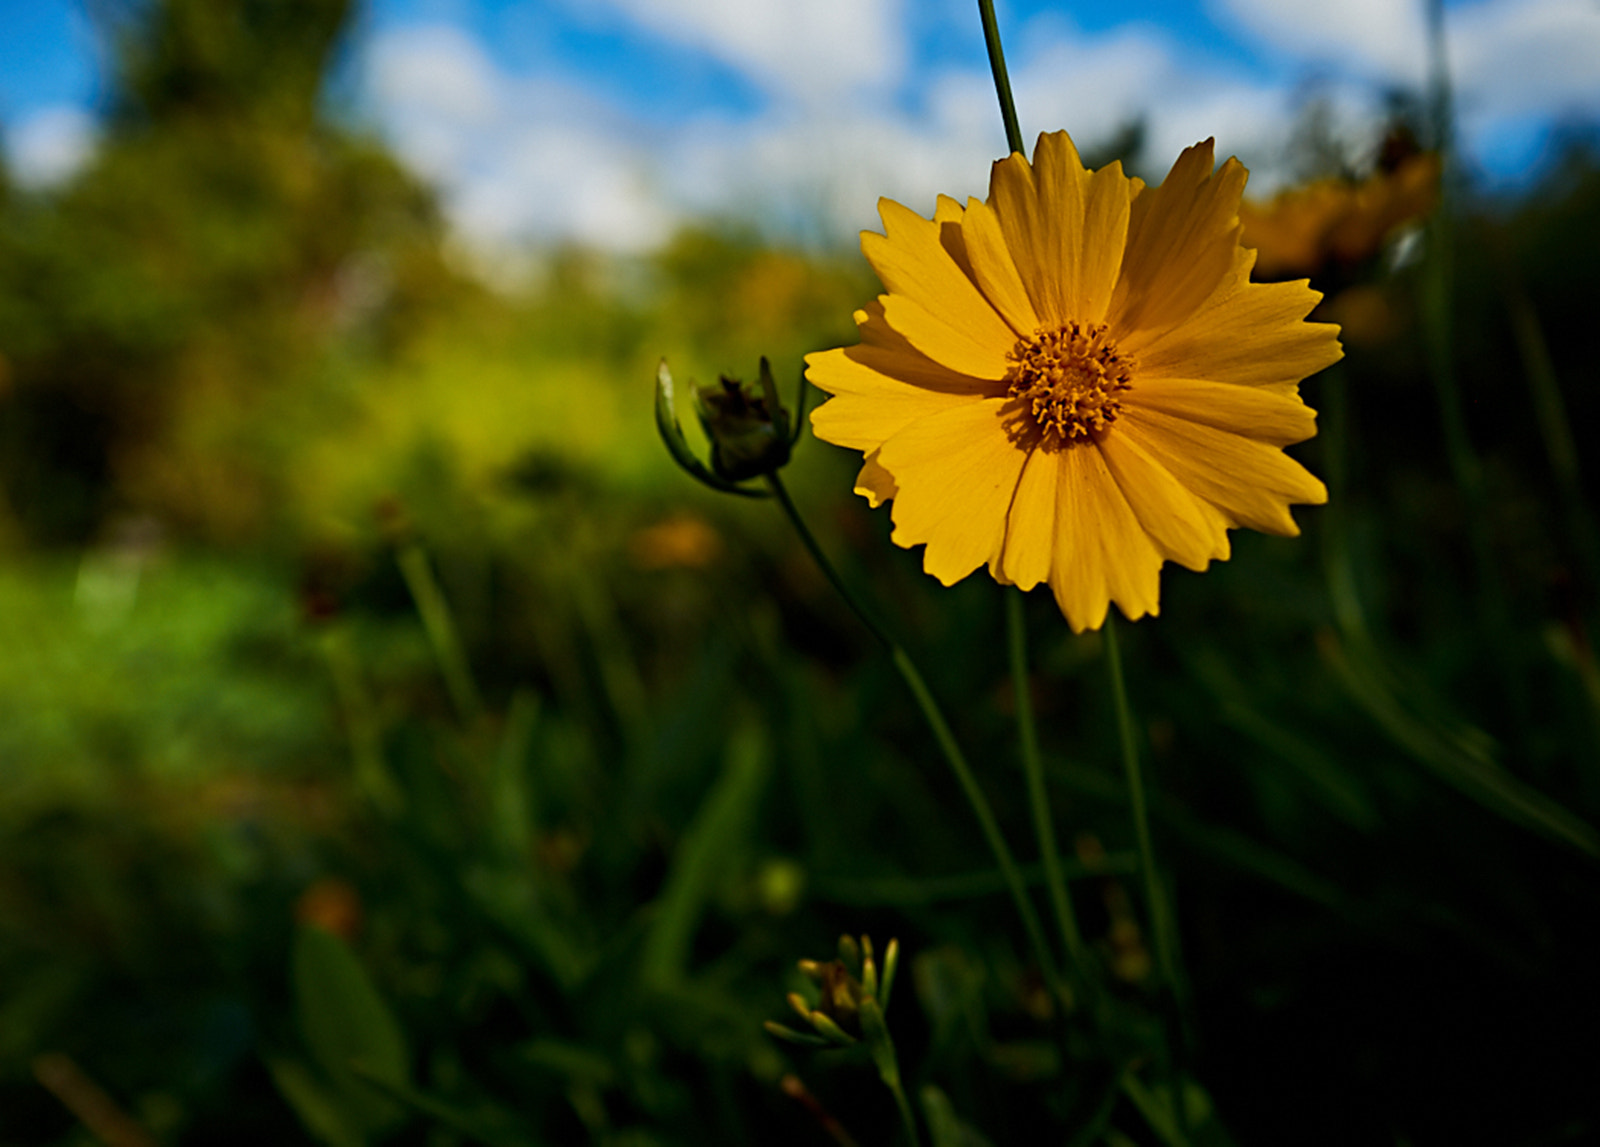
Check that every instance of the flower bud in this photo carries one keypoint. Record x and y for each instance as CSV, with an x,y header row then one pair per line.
x,y
749,430
751,433
847,989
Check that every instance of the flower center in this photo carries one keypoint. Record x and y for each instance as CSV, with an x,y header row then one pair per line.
x,y
1070,377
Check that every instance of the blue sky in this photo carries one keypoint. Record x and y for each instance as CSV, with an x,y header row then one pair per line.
x,y
610,121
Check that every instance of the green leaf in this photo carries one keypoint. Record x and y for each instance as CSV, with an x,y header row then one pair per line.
x,y
1155,1104
513,812
314,1103
1461,757
487,1124
945,1127
345,1022
717,831
1318,772
578,1064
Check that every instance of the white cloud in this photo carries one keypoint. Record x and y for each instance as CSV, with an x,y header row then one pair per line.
x,y
50,145
1510,56
810,51
1097,85
537,160
1375,39
1514,64
1515,57
515,159
540,161
437,88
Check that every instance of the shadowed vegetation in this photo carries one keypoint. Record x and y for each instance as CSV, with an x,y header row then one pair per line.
x,y
396,748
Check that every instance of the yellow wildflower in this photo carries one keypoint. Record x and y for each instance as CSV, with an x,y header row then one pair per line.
x,y
1075,381
1335,225
682,541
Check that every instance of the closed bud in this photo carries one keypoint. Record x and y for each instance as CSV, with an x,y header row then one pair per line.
x,y
748,428
847,988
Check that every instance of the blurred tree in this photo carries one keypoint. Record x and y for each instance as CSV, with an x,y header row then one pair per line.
x,y
227,244
240,60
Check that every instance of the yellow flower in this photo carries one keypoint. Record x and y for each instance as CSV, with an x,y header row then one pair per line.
x,y
1336,225
1074,381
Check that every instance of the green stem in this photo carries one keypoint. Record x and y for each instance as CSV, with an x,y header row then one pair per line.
x,y
941,734
442,635
1551,409
1002,81
875,1030
361,720
1038,797
1155,899
1137,803
1438,322
906,1118
1334,434
1436,284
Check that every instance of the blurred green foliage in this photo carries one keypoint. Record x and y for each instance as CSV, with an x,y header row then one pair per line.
x,y
395,748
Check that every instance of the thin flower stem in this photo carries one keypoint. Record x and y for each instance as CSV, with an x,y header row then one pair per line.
x,y
781,492
907,1120
1438,327
1002,81
1136,801
1551,410
1155,900
945,738
440,626
1038,798
1338,568
361,720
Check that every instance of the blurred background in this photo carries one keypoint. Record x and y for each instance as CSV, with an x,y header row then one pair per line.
x,y
345,589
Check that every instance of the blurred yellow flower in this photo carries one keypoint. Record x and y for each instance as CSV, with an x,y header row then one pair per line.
x,y
1075,380
1337,224
682,541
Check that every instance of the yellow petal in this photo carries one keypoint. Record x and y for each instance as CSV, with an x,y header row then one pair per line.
x,y
1030,540
904,361
948,214
1185,528
1253,335
874,483
1253,484
1104,243
921,276
1103,554
1029,233
969,349
1065,228
892,364
878,391
875,330
955,472
994,270
1182,237
1256,412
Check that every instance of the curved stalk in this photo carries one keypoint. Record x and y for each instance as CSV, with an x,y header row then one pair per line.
x,y
946,740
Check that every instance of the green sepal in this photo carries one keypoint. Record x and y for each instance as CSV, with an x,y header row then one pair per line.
x,y
801,1007
850,954
799,409
769,391
832,1031
671,431
789,1035
891,961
